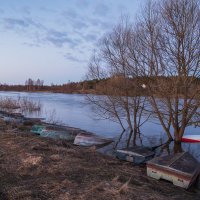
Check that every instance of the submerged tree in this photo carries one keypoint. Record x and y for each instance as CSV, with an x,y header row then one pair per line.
x,y
161,53
169,50
120,100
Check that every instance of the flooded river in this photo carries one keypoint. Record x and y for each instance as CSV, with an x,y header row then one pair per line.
x,y
72,110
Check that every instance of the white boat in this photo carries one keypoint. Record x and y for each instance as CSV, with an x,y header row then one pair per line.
x,y
87,139
182,169
191,138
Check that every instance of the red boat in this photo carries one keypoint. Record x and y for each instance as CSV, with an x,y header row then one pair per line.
x,y
191,138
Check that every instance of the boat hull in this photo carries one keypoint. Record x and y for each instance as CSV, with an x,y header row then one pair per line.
x,y
181,169
85,139
53,132
191,138
136,155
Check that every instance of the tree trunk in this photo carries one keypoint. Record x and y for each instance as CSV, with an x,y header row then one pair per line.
x,y
134,136
129,138
177,147
178,135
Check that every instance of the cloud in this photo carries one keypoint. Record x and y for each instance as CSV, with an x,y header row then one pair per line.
x,y
59,38
72,14
102,24
56,34
40,34
36,24
74,19
11,23
1,11
78,24
73,58
31,44
90,37
82,3
47,10
76,31
101,10
25,10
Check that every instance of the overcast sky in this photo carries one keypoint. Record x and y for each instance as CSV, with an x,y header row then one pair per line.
x,y
53,39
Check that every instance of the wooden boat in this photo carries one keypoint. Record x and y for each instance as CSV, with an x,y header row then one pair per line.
x,y
89,139
37,129
136,154
58,134
55,132
191,138
181,169
31,121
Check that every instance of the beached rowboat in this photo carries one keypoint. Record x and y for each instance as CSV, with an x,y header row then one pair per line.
x,y
56,132
182,169
87,139
191,138
137,154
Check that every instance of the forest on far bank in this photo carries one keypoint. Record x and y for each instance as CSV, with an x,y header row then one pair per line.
x,y
95,86
39,86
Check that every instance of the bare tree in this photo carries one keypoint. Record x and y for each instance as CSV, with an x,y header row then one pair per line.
x,y
32,84
29,83
161,53
120,101
168,57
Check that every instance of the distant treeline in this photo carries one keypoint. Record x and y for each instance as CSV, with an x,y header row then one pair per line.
x,y
39,86
94,86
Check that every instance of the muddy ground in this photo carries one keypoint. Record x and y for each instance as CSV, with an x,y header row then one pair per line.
x,y
32,167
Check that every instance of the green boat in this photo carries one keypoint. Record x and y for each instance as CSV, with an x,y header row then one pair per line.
x,y
53,132
37,129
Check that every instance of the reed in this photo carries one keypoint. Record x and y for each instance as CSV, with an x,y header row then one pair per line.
x,y
22,104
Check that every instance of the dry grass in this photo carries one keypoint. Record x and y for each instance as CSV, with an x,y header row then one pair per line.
x,y
32,167
23,104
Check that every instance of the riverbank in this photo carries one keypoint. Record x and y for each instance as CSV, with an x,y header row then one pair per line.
x,y
32,167
55,92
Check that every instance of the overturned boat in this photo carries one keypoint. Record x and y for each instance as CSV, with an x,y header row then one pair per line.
x,y
136,155
182,169
89,139
191,138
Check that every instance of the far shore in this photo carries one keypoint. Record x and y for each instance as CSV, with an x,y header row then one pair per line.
x,y
47,91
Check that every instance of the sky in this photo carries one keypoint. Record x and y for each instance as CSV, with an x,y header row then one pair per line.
x,y
54,39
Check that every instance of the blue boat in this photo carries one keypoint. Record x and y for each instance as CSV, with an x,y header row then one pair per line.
x,y
137,154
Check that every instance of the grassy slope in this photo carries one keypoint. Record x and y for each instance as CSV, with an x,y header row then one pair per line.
x,y
39,168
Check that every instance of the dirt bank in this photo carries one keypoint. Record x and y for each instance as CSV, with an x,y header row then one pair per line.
x,y
32,167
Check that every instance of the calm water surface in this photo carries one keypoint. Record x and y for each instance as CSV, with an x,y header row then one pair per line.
x,y
72,110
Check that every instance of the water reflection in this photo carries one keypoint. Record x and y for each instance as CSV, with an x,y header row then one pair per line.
x,y
160,145
71,110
